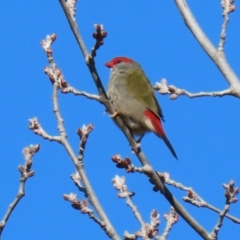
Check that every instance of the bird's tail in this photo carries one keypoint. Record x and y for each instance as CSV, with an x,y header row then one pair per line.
x,y
157,128
169,145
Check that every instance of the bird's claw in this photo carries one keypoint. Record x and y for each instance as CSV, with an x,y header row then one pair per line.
x,y
114,114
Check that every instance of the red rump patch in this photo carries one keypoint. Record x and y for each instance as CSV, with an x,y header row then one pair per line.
x,y
156,122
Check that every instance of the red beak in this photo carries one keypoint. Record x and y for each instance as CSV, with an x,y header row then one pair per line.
x,y
109,64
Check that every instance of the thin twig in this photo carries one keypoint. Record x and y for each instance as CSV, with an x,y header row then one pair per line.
x,y
171,219
119,183
223,32
230,195
83,133
99,35
82,206
78,182
81,93
127,164
175,92
36,127
228,7
26,173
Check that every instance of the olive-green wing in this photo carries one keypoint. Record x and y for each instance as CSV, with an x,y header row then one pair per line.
x,y
141,89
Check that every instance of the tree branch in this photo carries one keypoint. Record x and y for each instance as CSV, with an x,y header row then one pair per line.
x,y
217,57
82,206
171,219
175,92
230,194
228,7
76,92
58,81
147,230
26,173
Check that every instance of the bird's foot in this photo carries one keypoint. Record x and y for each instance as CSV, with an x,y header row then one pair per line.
x,y
115,114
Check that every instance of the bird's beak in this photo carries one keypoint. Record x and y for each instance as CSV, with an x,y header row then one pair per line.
x,y
109,64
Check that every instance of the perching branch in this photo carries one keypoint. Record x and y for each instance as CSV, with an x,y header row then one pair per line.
x,y
26,173
150,172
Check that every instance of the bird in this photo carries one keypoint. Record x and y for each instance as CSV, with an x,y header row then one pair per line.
x,y
134,100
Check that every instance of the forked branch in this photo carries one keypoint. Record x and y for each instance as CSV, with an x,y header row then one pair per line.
x,y
216,54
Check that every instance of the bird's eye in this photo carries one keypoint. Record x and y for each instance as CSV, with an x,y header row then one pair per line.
x,y
119,61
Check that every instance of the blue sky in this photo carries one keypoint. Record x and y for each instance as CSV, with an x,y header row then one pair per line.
x,y
203,131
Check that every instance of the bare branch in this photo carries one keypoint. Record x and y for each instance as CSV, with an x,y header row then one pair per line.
x,y
26,173
230,194
81,93
218,58
79,183
175,92
74,27
192,197
99,35
55,74
148,231
171,219
127,164
71,4
36,127
119,184
59,83
228,7
82,206
83,133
